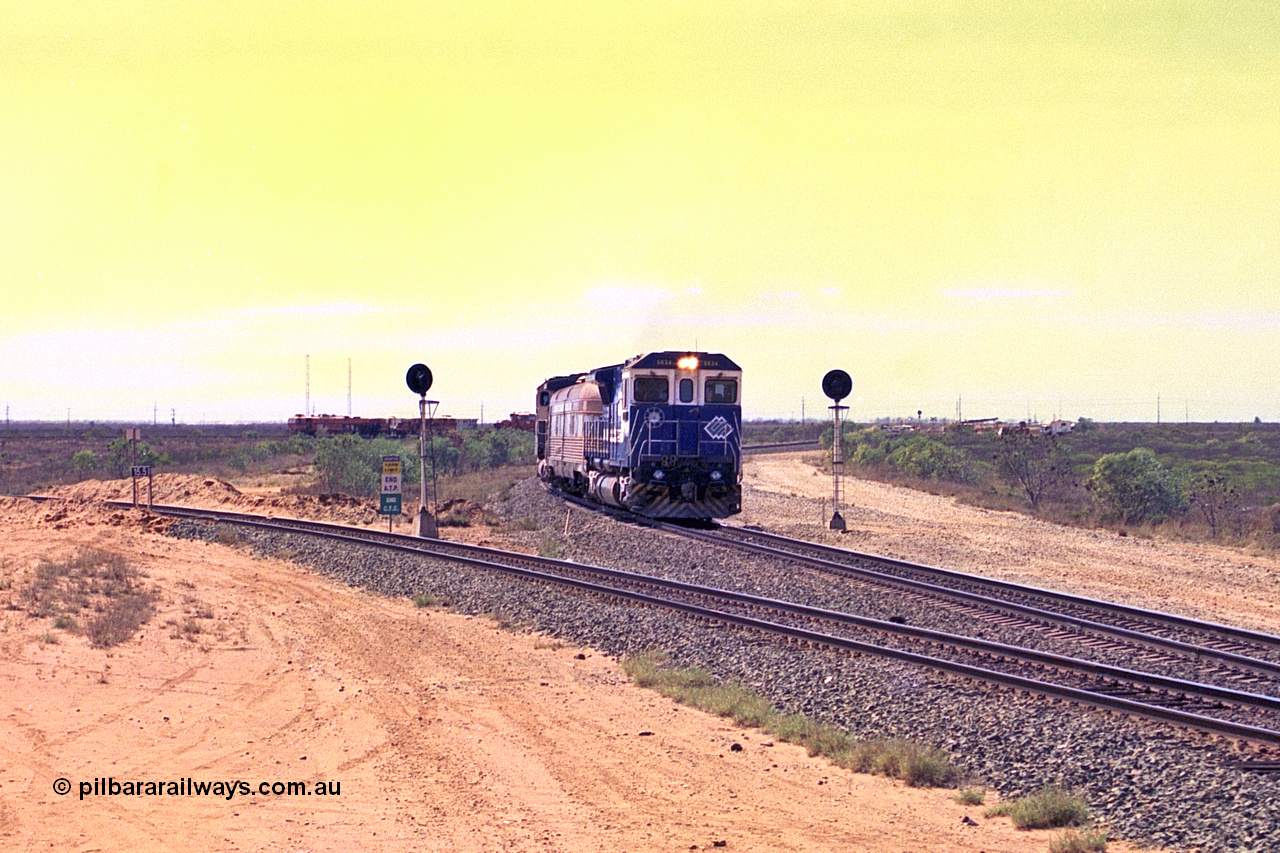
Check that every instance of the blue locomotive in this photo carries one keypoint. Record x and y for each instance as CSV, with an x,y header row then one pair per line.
x,y
659,434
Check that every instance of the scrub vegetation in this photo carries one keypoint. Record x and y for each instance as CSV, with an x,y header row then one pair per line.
x,y
38,456
96,588
1216,482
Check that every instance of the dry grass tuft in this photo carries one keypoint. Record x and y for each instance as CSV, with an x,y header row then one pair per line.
x,y
917,765
1088,841
1048,808
92,580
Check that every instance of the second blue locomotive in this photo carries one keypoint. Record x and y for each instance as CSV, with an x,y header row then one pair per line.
x,y
659,434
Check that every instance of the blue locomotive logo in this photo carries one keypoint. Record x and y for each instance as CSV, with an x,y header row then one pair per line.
x,y
718,428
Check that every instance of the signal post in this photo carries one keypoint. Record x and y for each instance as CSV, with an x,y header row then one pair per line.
x,y
419,380
836,385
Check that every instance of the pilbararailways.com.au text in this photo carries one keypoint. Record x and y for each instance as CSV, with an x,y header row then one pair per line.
x,y
188,787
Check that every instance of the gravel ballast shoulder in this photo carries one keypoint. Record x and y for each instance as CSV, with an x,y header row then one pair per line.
x,y
1148,782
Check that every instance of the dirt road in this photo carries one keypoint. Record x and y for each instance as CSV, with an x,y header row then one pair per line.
x,y
430,730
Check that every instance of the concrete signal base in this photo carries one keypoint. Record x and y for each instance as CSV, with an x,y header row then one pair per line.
x,y
425,526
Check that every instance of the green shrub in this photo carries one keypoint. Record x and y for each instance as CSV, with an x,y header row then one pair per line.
x,y
353,465
928,459
1134,486
970,797
84,461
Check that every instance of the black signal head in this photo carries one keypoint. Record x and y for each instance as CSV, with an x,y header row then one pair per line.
x,y
418,378
837,385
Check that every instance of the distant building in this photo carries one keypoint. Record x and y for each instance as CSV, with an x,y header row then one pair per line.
x,y
1059,427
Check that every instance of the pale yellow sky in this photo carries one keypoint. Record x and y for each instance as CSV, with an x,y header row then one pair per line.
x,y
1047,208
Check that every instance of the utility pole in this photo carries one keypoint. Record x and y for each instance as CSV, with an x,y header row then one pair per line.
x,y
348,387
307,410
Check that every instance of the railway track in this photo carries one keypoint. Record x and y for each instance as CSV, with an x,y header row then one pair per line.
x,y
1224,654
1223,711
781,447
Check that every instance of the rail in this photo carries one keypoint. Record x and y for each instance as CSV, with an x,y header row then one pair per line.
x,y
614,583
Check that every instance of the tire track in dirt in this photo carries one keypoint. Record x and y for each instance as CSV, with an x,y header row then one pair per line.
x,y
443,732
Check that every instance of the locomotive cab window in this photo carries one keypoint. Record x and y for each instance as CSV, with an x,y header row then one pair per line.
x,y
651,389
686,390
722,391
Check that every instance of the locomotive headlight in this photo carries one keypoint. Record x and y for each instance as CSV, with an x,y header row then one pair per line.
x,y
689,362
716,476
658,473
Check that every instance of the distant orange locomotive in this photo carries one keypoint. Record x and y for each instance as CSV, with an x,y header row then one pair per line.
x,y
389,427
363,427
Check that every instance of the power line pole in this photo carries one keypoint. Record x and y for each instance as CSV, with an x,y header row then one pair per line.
x,y
307,410
348,387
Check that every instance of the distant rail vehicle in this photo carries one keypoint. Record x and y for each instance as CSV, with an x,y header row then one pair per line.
x,y
372,427
659,434
340,425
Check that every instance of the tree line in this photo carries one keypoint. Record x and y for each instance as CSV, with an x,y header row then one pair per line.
x,y
1064,477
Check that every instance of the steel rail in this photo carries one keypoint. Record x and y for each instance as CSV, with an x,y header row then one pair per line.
x,y
781,446
1256,665
1160,617
481,557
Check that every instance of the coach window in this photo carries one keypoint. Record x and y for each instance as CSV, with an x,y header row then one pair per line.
x,y
651,389
686,390
722,391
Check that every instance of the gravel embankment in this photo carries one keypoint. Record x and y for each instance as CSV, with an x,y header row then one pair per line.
x,y
1149,782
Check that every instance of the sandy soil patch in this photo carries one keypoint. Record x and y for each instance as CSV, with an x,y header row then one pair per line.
x,y
440,731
